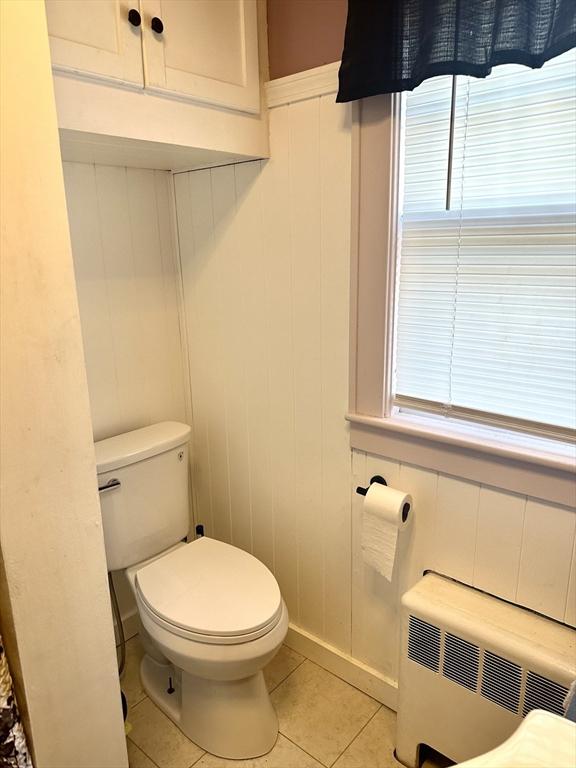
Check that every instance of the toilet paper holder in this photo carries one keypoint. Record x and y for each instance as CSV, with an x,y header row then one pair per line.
x,y
379,479
375,479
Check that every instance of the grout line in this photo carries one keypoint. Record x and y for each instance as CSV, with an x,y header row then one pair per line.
x,y
300,747
132,704
204,753
366,724
174,724
288,675
138,703
141,750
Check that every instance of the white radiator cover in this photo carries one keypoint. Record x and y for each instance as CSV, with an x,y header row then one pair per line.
x,y
472,666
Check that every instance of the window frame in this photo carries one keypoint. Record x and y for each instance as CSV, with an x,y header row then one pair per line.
x,y
489,455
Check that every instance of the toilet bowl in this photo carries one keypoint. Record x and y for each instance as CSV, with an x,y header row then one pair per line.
x,y
542,740
211,615
215,618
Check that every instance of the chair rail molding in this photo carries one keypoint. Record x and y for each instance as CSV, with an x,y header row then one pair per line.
x,y
319,81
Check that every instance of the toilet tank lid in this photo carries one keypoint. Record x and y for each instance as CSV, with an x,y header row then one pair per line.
x,y
130,447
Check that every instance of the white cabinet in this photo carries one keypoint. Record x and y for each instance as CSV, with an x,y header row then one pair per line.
x,y
94,37
206,50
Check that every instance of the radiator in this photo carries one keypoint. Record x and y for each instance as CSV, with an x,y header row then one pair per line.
x,y
471,667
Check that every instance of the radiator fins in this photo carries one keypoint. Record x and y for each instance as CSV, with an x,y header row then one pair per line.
x,y
461,661
501,681
424,643
542,693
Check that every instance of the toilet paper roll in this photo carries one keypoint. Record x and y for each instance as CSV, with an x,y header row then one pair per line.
x,y
385,512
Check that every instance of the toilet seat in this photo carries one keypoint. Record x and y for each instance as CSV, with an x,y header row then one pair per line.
x,y
210,592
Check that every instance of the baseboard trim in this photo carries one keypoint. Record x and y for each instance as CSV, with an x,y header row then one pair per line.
x,y
361,676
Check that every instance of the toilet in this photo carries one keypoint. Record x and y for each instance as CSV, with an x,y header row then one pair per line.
x,y
211,615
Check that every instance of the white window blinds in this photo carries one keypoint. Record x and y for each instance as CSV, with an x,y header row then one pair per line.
x,y
486,314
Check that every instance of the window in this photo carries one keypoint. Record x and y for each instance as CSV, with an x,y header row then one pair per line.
x,y
486,302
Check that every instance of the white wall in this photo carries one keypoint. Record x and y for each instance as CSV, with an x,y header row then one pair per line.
x,y
55,611
127,279
265,251
265,260
517,548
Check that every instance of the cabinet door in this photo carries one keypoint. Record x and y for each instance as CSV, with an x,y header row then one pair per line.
x,y
94,37
207,51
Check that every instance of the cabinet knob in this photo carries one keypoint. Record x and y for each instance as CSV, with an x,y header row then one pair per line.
x,y
134,17
157,25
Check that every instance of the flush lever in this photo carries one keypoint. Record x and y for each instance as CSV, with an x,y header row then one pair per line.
x,y
110,485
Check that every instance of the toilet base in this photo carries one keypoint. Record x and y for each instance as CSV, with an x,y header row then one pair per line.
x,y
233,719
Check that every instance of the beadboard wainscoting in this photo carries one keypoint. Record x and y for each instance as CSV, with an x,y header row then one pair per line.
x,y
265,263
127,278
265,256
264,310
123,243
511,546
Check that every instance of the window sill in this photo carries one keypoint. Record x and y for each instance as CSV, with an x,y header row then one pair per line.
x,y
537,468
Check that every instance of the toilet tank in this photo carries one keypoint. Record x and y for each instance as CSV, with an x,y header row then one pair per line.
x,y
143,488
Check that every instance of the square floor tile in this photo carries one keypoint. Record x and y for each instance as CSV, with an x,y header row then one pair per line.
x,y
160,739
130,680
320,712
137,758
374,745
285,662
283,755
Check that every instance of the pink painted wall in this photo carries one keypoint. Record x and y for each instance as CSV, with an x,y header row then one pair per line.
x,y
304,33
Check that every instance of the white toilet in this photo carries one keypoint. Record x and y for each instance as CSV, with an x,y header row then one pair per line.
x,y
212,615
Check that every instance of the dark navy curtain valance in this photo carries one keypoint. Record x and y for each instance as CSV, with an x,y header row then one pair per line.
x,y
393,45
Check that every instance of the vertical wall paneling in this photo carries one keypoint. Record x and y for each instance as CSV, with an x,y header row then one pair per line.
x,y
170,302
201,269
415,548
127,281
570,612
506,545
374,599
126,269
546,558
252,264
232,281
304,126
264,249
276,224
335,169
455,528
120,220
357,584
192,238
499,542
269,288
263,298
93,297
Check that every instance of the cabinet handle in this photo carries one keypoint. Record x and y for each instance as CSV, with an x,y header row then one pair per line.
x,y
134,17
157,25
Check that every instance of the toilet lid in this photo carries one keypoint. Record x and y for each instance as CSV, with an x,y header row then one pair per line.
x,y
210,588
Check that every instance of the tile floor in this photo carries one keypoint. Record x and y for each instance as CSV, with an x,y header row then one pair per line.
x,y
324,722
